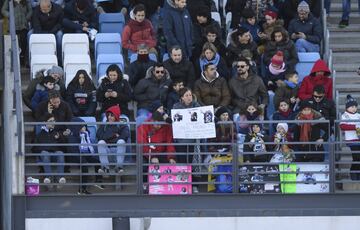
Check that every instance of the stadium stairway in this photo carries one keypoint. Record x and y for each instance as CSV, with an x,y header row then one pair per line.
x,y
344,43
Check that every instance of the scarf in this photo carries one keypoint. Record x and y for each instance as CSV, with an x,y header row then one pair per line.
x,y
305,128
285,114
84,140
204,61
290,84
277,71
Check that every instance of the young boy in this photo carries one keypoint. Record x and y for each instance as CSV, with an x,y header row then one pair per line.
x,y
288,91
42,91
255,149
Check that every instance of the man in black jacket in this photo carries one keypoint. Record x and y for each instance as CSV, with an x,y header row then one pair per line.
x,y
79,16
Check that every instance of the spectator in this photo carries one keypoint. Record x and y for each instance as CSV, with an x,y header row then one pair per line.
x,y
137,31
194,6
153,87
81,95
280,42
153,11
47,19
203,19
246,87
305,30
138,68
211,88
310,132
351,130
173,96
109,6
271,22
290,9
177,26
255,148
179,68
319,75
236,8
42,91
208,55
51,153
56,72
281,136
35,3
153,134
22,13
284,112
260,6
111,133
327,5
250,23
79,17
346,8
114,90
240,41
288,91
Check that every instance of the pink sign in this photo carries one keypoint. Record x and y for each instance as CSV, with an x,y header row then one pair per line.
x,y
169,179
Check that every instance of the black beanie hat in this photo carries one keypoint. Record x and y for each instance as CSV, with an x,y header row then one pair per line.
x,y
221,110
306,104
350,101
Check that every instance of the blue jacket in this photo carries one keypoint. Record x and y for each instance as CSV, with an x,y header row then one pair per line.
x,y
177,27
311,27
253,29
41,94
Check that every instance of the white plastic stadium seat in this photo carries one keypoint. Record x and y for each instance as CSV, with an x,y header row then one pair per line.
x,y
75,44
73,63
216,17
39,62
42,44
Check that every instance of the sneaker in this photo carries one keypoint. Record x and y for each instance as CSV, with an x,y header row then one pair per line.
x,y
62,180
343,23
119,170
103,170
83,192
47,180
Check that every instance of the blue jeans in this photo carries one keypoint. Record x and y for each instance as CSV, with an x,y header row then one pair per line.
x,y
106,151
58,37
346,6
47,158
327,5
303,46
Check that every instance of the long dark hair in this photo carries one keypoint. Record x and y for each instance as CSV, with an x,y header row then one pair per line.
x,y
88,84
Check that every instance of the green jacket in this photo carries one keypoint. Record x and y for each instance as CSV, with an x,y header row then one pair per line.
x,y
23,13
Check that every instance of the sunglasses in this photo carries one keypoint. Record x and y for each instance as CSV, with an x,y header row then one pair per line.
x,y
241,66
159,71
318,97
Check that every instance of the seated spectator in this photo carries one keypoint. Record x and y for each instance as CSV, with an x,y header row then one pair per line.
x,y
193,7
137,31
236,8
310,132
153,87
80,136
180,69
255,149
42,91
271,22
114,90
35,3
319,75
80,16
290,9
288,91
152,134
240,41
250,23
203,19
280,42
177,26
110,134
210,35
138,68
211,88
208,55
186,100
173,96
305,30
23,12
246,87
81,95
47,19
51,153
284,112
281,136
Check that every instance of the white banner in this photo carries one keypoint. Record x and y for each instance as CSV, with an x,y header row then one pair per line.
x,y
193,123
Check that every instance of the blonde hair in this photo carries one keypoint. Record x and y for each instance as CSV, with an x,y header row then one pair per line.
x,y
208,46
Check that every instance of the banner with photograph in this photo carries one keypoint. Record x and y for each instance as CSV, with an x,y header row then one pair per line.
x,y
193,123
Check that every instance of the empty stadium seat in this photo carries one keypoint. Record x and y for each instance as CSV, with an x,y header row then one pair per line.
x,y
75,44
111,23
228,19
39,62
216,4
216,17
91,127
165,57
73,63
42,44
306,62
104,60
152,57
107,43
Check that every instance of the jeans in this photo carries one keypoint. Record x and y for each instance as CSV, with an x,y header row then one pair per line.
x,y
47,158
327,5
346,6
270,109
303,46
105,151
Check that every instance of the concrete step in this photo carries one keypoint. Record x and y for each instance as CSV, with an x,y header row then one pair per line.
x,y
345,67
347,57
335,18
345,38
351,28
347,78
344,47
337,7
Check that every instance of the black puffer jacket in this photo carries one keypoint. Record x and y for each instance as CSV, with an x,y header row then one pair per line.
x,y
137,71
184,70
47,23
311,27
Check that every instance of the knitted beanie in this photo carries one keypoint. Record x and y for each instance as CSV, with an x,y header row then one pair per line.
x,y
284,126
303,7
278,59
56,70
350,101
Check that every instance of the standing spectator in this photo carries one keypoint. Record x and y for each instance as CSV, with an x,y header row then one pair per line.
x,y
81,95
22,13
42,91
346,8
111,133
211,88
47,19
179,68
236,8
208,55
114,90
203,19
137,69
246,87
153,10
79,17
288,91
305,30
327,5
177,26
319,75
138,30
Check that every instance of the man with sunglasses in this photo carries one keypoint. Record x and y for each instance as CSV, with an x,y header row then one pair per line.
x,y
246,87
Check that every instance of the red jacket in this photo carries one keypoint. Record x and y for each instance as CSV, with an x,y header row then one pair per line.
x,y
309,82
147,134
136,33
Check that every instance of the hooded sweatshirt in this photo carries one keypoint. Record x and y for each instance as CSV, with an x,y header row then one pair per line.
x,y
309,82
